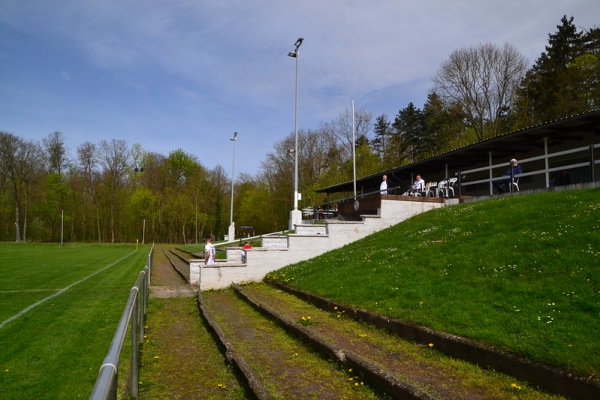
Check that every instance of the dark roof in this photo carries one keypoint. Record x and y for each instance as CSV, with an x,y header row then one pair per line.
x,y
568,129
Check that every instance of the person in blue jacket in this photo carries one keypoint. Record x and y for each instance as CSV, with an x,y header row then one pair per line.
x,y
502,185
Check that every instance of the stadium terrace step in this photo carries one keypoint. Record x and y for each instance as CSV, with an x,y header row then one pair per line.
x,y
376,359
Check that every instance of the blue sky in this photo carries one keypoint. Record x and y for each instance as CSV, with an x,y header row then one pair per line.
x,y
188,73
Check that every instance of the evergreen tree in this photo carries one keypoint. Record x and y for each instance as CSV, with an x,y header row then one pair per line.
x,y
382,132
444,126
565,78
409,124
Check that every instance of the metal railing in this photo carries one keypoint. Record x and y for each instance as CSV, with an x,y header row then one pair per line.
x,y
134,312
591,162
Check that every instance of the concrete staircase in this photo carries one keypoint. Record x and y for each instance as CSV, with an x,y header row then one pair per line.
x,y
308,241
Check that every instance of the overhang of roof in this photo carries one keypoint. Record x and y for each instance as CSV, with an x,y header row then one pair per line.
x,y
569,129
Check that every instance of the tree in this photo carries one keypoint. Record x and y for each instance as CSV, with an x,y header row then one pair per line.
x,y
341,128
382,130
565,78
443,126
409,124
21,161
482,81
114,158
87,176
57,190
56,153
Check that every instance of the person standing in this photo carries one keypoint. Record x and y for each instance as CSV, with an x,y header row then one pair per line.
x,y
209,251
383,186
247,246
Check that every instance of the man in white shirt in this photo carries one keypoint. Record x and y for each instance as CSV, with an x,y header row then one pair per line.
x,y
418,186
383,186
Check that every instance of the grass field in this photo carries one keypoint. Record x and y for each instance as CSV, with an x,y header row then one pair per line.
x,y
60,309
522,273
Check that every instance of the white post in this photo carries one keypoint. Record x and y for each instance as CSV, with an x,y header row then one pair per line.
x,y
353,150
231,224
62,226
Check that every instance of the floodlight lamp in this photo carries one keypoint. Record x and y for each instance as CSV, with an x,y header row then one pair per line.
x,y
292,54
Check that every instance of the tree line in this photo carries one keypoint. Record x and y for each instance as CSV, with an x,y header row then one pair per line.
x,y
113,192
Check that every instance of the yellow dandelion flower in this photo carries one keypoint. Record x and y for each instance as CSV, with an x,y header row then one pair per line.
x,y
355,383
430,345
141,383
308,317
513,385
350,370
156,357
335,308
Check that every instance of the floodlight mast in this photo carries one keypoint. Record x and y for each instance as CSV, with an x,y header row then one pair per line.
x,y
231,232
296,216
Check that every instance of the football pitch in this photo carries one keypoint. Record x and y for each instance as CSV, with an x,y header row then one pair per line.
x,y
60,308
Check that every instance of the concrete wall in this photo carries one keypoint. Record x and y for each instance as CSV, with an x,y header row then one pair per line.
x,y
308,242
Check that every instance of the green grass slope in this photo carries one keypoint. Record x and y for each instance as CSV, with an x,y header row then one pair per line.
x,y
521,273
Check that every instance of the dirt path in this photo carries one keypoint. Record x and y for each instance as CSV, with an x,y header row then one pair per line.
x,y
180,359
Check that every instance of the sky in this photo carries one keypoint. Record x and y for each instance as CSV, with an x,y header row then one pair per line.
x,y
187,74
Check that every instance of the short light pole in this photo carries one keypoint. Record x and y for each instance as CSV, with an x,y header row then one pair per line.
x,y
231,224
296,215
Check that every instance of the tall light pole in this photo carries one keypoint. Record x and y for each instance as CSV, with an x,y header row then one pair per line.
x,y
231,225
296,215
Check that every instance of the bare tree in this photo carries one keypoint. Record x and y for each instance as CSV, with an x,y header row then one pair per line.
x,y
114,158
87,165
482,80
341,127
56,153
20,162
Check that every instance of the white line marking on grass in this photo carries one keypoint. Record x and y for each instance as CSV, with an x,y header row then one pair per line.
x,y
61,291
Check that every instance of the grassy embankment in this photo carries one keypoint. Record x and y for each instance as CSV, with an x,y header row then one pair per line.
x,y
55,349
521,273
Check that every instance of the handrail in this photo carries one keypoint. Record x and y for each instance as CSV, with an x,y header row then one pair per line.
x,y
135,311
536,172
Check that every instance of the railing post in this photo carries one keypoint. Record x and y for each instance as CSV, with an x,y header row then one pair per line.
x,y
134,368
592,163
459,183
512,176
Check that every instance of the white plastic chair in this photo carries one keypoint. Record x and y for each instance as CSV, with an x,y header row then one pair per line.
x,y
432,189
442,188
451,184
516,184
